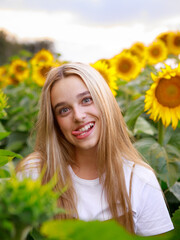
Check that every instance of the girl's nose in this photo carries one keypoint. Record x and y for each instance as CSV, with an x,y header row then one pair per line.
x,y
79,114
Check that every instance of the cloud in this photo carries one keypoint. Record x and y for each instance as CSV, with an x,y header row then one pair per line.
x,y
82,35
103,11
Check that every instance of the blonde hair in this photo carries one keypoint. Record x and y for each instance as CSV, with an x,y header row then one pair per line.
x,y
56,153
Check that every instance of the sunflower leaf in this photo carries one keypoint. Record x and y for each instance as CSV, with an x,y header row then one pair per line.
x,y
135,109
80,230
175,189
166,165
143,126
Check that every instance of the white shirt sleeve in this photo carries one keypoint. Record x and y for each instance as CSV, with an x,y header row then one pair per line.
x,y
151,214
30,170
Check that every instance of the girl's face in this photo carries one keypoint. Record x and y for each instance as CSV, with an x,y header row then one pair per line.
x,y
75,112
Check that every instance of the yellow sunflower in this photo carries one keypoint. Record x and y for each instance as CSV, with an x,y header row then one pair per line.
x,y
163,37
40,71
174,43
156,52
108,74
106,61
3,76
140,52
140,46
162,100
126,66
19,70
43,56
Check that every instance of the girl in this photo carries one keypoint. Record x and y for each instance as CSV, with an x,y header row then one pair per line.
x,y
81,136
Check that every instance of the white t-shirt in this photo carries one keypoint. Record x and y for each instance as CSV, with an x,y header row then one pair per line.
x,y
150,214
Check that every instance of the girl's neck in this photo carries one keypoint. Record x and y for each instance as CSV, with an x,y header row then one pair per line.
x,y
86,166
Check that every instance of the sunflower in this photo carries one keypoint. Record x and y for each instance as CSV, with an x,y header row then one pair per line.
x,y
163,37
162,100
43,56
3,76
156,52
140,46
40,72
19,70
174,43
139,50
106,61
108,74
126,66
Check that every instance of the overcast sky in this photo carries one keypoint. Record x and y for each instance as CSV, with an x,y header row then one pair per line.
x,y
86,30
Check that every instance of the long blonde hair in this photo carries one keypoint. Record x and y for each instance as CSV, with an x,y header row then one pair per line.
x,y
56,153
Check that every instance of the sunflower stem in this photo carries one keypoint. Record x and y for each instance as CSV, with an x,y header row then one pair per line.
x,y
160,133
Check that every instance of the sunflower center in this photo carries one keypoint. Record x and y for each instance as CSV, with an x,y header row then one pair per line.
x,y
155,51
168,92
164,38
42,58
124,66
20,68
44,71
177,41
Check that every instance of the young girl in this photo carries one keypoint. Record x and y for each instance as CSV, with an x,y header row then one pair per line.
x,y
81,136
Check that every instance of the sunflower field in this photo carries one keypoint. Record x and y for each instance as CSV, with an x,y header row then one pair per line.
x,y
145,81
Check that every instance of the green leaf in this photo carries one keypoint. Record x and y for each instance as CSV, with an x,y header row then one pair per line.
x,y
4,160
16,141
169,131
135,109
175,138
166,166
175,189
143,126
2,129
8,153
80,230
6,156
176,222
173,151
36,235
4,135
144,145
4,173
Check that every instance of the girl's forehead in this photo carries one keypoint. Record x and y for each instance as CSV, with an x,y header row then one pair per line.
x,y
68,88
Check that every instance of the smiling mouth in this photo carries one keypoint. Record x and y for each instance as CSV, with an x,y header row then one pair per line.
x,y
83,130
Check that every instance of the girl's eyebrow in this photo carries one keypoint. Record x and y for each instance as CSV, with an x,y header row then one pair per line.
x,y
64,103
82,94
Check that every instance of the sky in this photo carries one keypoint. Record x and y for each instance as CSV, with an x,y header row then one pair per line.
x,y
87,30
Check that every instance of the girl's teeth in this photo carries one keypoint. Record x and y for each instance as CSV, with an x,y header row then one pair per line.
x,y
82,133
86,127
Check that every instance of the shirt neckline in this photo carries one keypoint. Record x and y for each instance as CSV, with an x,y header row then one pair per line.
x,y
82,180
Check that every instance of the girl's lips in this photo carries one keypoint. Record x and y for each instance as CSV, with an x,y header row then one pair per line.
x,y
82,134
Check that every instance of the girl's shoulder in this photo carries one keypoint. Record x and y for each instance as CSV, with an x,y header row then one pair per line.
x,y
141,173
29,167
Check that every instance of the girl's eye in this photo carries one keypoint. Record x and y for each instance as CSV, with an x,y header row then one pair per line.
x,y
63,111
87,100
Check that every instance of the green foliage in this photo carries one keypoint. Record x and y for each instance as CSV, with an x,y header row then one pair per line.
x,y
22,115
3,104
23,205
135,109
5,155
77,230
80,230
176,222
9,46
